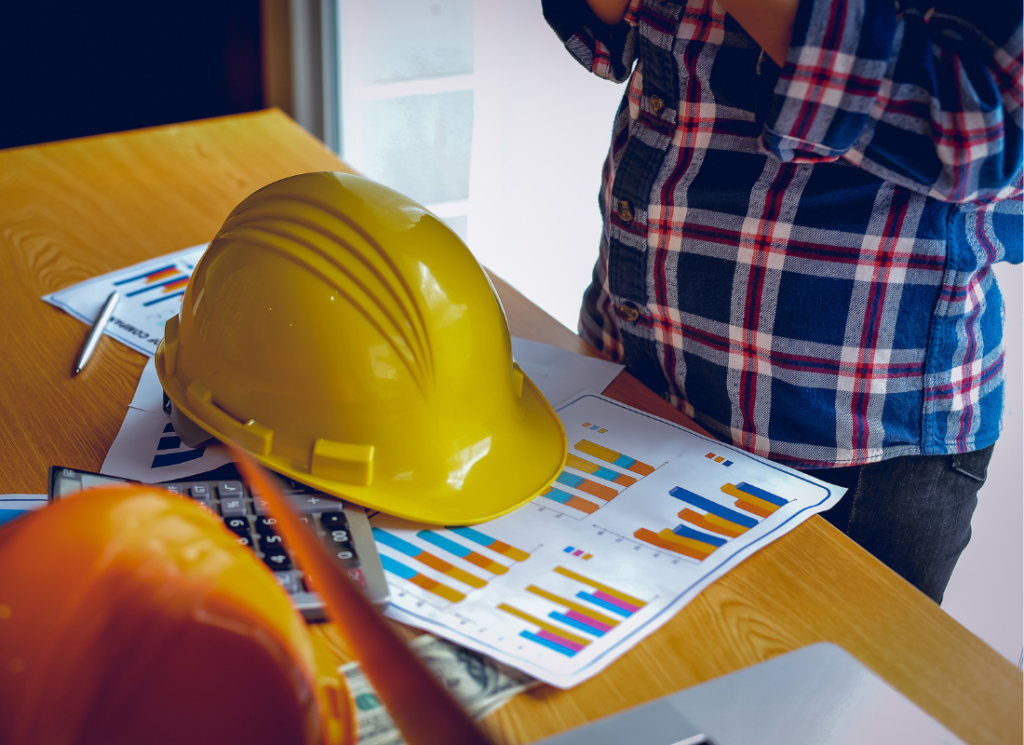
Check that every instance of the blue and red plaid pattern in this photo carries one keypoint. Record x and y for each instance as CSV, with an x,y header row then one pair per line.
x,y
800,258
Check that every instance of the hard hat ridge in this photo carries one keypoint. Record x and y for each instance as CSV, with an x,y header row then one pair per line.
x,y
346,337
332,245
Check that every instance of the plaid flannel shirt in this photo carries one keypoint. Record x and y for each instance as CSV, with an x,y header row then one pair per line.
x,y
800,258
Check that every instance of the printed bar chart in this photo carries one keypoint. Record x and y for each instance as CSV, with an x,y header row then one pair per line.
x,y
427,559
587,486
729,530
168,279
548,635
457,549
697,535
615,458
570,500
718,525
482,539
657,539
754,500
604,608
609,597
582,464
712,508
407,573
577,611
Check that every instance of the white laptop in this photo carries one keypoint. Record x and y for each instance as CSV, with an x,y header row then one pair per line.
x,y
818,695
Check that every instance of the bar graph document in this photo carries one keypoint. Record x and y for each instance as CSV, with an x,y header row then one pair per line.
x,y
644,516
151,292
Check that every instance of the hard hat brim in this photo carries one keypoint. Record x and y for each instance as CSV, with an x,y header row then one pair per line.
x,y
474,501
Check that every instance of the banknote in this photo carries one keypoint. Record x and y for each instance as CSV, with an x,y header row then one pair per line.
x,y
481,685
376,727
477,682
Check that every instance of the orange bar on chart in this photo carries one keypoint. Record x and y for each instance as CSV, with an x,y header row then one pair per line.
x,y
573,605
484,563
693,543
569,500
651,537
582,464
743,496
701,521
437,588
629,599
615,458
728,524
452,571
543,624
752,508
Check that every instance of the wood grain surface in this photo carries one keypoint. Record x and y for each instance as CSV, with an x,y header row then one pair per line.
x,y
72,210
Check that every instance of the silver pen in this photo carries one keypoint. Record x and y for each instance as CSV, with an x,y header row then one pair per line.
x,y
97,331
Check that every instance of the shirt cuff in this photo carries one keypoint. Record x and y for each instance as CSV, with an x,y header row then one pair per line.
x,y
836,71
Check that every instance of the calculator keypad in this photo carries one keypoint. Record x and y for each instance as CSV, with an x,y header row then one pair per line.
x,y
248,517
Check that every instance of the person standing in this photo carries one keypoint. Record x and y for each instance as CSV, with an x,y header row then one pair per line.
x,y
801,206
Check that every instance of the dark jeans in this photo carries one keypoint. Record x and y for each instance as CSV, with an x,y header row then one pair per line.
x,y
913,513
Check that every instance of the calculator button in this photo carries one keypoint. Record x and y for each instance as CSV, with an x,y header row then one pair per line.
x,y
338,536
288,581
346,554
261,506
178,489
333,520
228,489
270,542
243,540
277,559
232,507
311,503
265,524
237,524
201,491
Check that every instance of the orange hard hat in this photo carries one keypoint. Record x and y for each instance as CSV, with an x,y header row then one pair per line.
x,y
130,615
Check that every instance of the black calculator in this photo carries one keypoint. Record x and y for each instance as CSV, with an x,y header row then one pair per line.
x,y
343,527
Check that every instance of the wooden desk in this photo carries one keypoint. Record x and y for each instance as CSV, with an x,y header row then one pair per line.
x,y
72,210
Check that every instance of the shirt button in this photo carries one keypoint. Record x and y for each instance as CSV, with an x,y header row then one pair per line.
x,y
629,311
656,105
625,210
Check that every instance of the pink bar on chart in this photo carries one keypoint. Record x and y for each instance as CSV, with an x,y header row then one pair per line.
x,y
615,601
545,634
592,622
577,552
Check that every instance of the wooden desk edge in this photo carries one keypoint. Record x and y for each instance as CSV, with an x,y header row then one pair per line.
x,y
241,153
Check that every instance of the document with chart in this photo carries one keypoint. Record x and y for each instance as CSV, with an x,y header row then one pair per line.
x,y
644,515
151,292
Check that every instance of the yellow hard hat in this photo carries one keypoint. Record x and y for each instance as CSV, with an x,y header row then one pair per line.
x,y
130,615
347,338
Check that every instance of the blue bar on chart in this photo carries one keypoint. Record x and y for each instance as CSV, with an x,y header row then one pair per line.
x,y
713,507
699,535
767,496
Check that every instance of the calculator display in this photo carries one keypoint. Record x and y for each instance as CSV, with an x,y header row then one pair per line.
x,y
67,481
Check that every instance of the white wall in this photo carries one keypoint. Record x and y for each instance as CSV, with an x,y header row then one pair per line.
x,y
986,593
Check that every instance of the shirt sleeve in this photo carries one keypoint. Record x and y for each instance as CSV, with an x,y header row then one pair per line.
x,y
929,99
607,51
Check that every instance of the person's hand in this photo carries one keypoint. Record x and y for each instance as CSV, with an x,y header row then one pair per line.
x,y
610,12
